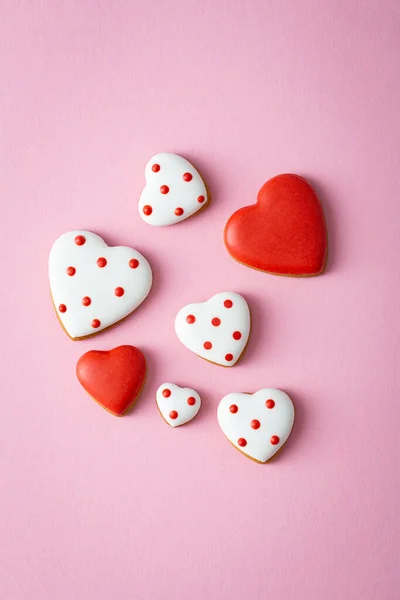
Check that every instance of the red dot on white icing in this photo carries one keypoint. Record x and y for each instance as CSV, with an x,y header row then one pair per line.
x,y
80,240
274,440
164,189
96,323
191,401
166,393
270,403
255,424
147,210
215,321
190,319
155,168
62,308
86,301
179,211
71,271
187,177
242,442
119,291
101,262
236,335
228,357
133,263
173,414
200,199
228,303
233,408
207,345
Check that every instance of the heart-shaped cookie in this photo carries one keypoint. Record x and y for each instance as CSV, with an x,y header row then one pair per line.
x,y
257,424
174,190
284,233
217,330
113,378
94,285
177,405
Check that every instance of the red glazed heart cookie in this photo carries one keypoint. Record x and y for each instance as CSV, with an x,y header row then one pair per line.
x,y
284,233
113,378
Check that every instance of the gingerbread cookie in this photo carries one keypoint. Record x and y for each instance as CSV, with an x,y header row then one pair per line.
x,y
257,424
174,190
217,330
94,285
284,233
113,378
177,405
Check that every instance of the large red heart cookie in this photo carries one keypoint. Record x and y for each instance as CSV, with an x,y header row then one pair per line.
x,y
284,233
113,378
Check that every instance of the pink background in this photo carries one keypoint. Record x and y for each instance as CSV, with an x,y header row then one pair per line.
x,y
95,507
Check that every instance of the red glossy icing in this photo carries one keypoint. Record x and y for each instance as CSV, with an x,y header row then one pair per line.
x,y
284,233
113,378
270,403
133,263
86,301
179,211
80,240
187,177
191,401
255,424
274,440
101,262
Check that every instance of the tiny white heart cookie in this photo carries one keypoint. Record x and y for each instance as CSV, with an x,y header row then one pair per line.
x,y
174,190
257,424
217,330
177,405
94,285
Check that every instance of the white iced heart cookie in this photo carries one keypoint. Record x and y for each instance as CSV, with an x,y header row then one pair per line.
x,y
177,405
257,424
174,190
217,329
94,285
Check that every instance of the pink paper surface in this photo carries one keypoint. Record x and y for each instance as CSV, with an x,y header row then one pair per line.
x,y
94,507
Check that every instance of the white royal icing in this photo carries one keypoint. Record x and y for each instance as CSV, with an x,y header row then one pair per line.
x,y
184,190
179,406
114,290
217,329
271,413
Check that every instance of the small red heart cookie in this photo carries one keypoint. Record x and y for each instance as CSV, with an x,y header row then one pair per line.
x,y
284,233
113,378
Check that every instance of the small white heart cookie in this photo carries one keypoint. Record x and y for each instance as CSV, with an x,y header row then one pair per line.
x,y
177,405
257,424
174,190
217,330
94,285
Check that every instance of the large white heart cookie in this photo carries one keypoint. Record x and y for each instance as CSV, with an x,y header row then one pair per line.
x,y
94,285
217,329
174,190
257,424
177,405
